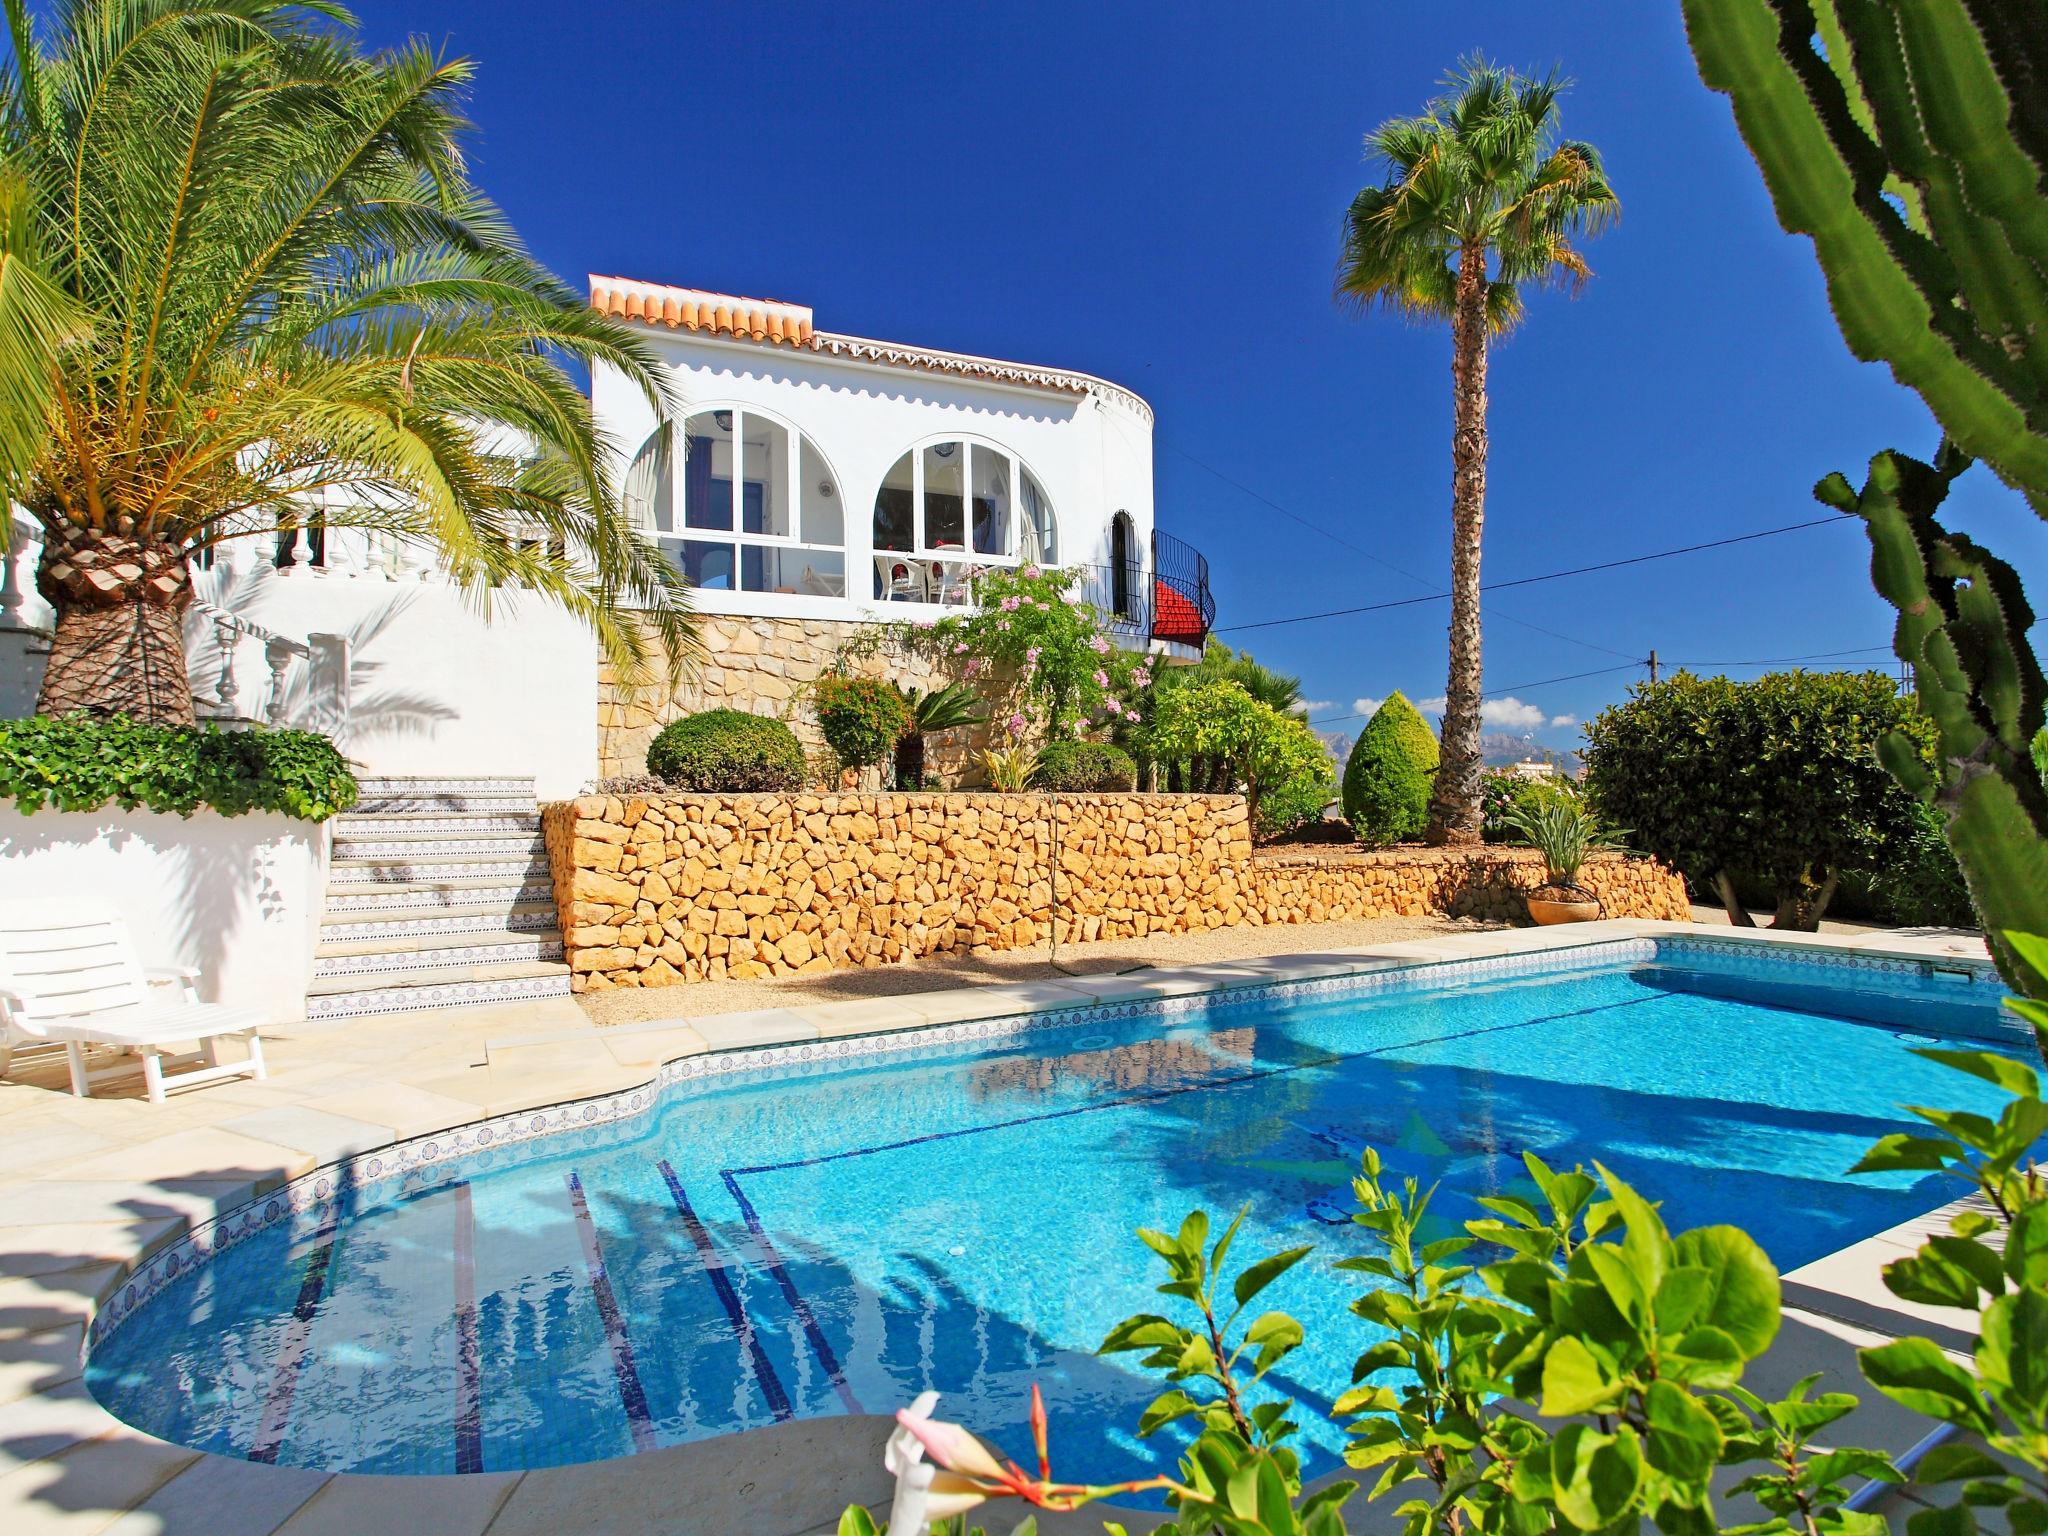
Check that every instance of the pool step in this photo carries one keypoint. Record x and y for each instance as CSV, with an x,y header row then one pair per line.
x,y
415,869
426,951
428,896
356,846
529,916
459,986
438,896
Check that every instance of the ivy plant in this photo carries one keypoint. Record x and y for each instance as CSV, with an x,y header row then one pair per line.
x,y
82,762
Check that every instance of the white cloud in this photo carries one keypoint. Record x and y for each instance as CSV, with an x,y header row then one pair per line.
x,y
1509,714
1367,707
1317,706
1564,720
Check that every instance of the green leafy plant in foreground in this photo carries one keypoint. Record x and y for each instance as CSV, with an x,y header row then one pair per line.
x,y
1589,1377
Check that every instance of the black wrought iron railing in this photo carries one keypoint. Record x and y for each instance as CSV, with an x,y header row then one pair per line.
x,y
1171,602
1183,608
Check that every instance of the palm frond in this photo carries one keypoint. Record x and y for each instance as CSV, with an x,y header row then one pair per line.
x,y
301,308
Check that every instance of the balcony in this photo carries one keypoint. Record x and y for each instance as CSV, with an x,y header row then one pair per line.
x,y
1175,606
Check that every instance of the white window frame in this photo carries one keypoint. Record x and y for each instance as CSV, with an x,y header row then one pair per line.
x,y
677,529
964,553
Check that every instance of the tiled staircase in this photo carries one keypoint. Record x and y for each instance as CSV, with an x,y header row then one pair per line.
x,y
438,896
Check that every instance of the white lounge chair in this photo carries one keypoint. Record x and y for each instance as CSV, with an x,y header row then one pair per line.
x,y
69,976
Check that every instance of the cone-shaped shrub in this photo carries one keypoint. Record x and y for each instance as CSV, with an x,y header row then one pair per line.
x,y
1387,779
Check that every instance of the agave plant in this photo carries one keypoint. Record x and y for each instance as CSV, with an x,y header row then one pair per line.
x,y
1564,831
941,709
1010,769
246,284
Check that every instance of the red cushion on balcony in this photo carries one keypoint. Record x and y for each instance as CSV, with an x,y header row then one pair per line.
x,y
1174,617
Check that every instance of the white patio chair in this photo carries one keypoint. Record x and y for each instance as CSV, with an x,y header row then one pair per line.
x,y
69,976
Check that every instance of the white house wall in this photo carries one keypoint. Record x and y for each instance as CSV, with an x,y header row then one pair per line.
x,y
1092,454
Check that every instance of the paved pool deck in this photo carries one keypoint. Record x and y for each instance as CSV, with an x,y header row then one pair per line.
x,y
90,1188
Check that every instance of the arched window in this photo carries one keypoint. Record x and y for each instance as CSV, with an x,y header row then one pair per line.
x,y
950,509
1126,572
741,502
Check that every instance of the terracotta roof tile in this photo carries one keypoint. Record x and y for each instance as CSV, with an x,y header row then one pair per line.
x,y
771,321
692,309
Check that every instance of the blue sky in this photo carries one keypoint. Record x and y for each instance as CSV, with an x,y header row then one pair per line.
x,y
1153,193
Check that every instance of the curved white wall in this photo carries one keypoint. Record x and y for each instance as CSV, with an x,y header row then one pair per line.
x,y
1092,453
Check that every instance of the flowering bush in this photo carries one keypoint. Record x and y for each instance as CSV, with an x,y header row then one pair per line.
x,y
860,717
1069,676
1286,770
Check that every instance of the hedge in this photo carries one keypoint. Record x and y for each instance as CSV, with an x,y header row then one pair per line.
x,y
727,751
82,762
1082,767
1388,777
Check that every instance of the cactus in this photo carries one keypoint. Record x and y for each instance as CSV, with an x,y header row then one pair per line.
x,y
1909,140
1892,143
1962,625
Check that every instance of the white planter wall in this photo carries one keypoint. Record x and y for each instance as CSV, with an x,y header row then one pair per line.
x,y
239,897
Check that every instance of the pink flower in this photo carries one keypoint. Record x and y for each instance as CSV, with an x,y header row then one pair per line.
x,y
1010,603
1002,624
1030,573
950,1446
1101,678
1098,645
1016,724
1141,677
1031,656
959,647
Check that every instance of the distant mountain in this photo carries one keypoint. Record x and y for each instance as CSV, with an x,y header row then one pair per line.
x,y
1497,749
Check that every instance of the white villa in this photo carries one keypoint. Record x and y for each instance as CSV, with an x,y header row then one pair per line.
x,y
811,486
812,483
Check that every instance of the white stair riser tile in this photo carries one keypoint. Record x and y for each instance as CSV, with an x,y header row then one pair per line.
x,y
436,783
435,824
444,805
413,872
486,921
455,994
537,948
375,897
432,847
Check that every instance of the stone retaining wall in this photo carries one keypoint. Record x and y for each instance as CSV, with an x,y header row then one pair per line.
x,y
1335,886
760,665
708,887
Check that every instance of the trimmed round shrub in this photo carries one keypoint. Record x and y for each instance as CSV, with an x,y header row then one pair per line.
x,y
1083,767
861,718
727,751
82,762
1388,777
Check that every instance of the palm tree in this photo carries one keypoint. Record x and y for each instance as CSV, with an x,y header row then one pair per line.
x,y
1480,197
242,267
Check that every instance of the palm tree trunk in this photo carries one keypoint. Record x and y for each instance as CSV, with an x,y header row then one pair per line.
x,y
1454,801
119,645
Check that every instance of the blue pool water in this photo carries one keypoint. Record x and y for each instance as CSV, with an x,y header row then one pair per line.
x,y
792,1243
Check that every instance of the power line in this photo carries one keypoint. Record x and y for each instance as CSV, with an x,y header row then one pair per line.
x,y
1573,677
1527,581
1360,549
1541,682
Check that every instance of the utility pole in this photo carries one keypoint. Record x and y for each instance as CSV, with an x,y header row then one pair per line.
x,y
1653,667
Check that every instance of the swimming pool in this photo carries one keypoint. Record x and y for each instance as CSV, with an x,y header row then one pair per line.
x,y
833,1228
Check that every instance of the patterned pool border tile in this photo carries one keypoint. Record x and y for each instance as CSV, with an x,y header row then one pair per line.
x,y
404,1167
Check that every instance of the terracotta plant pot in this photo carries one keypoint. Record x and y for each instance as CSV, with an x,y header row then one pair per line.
x,y
1561,904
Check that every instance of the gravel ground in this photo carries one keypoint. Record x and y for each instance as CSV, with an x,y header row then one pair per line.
x,y
633,1005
